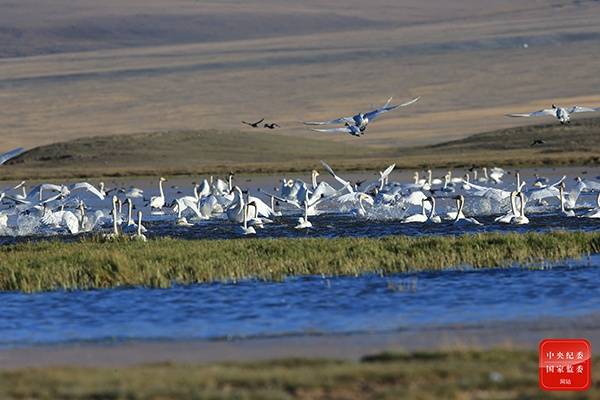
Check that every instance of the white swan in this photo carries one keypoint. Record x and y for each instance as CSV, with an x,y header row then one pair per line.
x,y
419,217
507,218
158,202
519,218
244,229
115,232
303,222
139,235
131,226
594,213
433,217
357,124
460,218
563,211
561,113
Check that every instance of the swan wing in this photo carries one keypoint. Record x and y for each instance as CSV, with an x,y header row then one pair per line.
x,y
337,178
88,187
539,113
9,155
593,185
579,109
341,120
262,209
387,171
344,129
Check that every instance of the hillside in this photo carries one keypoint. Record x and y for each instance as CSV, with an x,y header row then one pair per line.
x,y
202,151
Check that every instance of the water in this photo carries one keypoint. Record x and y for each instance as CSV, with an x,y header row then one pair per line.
x,y
300,306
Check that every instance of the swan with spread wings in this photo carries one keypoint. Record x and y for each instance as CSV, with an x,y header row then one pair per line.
x,y
357,124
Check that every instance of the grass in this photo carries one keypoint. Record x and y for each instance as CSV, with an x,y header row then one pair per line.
x,y
41,266
214,151
497,374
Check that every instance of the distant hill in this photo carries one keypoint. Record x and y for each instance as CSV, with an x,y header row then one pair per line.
x,y
202,151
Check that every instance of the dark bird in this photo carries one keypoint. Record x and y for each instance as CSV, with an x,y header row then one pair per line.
x,y
272,125
536,142
253,124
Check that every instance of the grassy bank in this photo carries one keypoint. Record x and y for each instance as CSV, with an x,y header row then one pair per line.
x,y
489,374
215,152
161,262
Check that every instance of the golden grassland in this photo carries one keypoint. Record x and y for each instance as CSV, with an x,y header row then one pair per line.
x,y
91,263
214,151
464,374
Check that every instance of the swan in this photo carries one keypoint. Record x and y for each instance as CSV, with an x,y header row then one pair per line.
x,y
115,232
361,210
507,218
275,213
86,224
303,222
433,217
134,193
460,218
357,124
519,218
139,235
563,211
236,212
594,213
496,175
484,178
131,226
419,217
158,202
345,184
244,229
562,114
434,181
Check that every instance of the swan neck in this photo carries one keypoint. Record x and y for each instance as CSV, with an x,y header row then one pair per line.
x,y
522,205
129,213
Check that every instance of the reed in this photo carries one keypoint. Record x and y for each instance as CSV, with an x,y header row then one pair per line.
x,y
162,262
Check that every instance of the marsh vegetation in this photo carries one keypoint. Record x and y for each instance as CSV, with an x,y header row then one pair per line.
x,y
162,262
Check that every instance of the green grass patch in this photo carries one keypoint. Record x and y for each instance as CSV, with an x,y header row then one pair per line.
x,y
162,262
491,374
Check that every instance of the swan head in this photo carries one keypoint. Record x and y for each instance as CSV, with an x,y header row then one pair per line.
x,y
162,179
315,173
554,106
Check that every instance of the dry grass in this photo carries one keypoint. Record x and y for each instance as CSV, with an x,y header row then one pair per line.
x,y
208,64
505,374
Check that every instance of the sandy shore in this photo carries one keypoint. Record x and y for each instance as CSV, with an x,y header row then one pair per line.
x,y
518,334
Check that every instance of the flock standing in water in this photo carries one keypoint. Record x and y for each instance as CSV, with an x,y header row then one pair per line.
x,y
49,209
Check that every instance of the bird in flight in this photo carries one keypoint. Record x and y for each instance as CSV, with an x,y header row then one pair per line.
x,y
357,124
536,142
253,124
561,113
272,125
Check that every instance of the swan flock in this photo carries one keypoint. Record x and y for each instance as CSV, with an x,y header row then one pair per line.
x,y
489,194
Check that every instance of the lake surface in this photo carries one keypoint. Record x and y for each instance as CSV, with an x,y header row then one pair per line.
x,y
301,306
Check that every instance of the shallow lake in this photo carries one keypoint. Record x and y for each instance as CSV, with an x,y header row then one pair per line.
x,y
300,306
